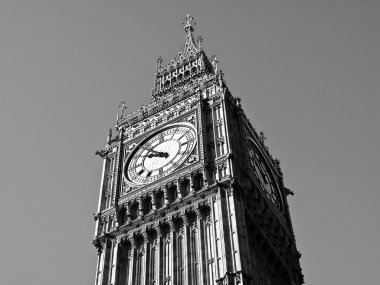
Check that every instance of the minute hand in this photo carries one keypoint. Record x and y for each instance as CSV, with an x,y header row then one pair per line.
x,y
151,150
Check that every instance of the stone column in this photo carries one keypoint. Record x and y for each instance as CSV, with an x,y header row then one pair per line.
x,y
166,198
225,127
153,201
97,275
178,185
201,257
106,224
128,213
107,261
144,254
233,230
214,250
101,193
167,254
220,237
204,177
114,258
132,261
141,212
129,253
158,255
186,255
191,184
214,130
217,176
103,222
172,256
100,263
178,253
150,257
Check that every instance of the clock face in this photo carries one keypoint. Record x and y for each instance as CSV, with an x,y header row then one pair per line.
x,y
160,154
264,175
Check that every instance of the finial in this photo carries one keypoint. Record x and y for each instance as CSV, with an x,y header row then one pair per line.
x,y
200,42
220,78
159,62
189,22
109,135
122,106
214,63
262,137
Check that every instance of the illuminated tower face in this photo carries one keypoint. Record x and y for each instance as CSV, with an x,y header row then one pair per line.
x,y
189,192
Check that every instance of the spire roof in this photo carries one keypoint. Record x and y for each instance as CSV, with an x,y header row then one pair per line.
x,y
188,48
190,61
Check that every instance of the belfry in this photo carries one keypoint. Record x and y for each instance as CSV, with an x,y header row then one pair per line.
x,y
189,193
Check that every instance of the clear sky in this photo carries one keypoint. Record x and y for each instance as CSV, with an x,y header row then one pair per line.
x,y
308,73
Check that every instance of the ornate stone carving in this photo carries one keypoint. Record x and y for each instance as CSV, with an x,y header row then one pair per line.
x,y
220,140
99,245
230,279
187,89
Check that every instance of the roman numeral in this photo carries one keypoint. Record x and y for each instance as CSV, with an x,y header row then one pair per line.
x,y
183,135
175,165
175,131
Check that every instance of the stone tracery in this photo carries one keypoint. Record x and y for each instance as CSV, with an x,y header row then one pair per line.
x,y
187,228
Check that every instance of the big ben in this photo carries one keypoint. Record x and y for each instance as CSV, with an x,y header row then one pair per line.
x,y
189,193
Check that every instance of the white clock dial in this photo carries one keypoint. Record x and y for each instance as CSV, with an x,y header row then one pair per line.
x,y
160,154
264,175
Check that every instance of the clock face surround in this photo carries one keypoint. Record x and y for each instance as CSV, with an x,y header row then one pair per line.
x,y
160,154
264,175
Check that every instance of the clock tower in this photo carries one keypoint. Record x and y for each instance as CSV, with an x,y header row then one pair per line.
x,y
190,194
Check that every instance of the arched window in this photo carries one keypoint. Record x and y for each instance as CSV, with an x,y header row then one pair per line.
x,y
134,210
184,187
159,199
121,216
198,181
147,204
172,193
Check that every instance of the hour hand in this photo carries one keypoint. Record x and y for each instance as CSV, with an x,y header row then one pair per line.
x,y
164,154
151,150
158,154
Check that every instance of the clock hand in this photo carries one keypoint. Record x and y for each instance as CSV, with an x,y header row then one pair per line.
x,y
164,154
173,133
160,154
150,150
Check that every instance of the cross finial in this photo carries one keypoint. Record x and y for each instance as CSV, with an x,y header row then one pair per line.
x,y
189,22
122,106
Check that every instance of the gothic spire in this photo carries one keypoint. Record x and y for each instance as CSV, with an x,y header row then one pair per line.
x,y
188,48
189,62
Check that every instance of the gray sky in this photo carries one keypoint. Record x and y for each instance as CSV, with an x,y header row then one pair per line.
x,y
308,75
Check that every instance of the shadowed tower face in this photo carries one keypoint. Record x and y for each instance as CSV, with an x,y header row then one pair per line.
x,y
190,194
